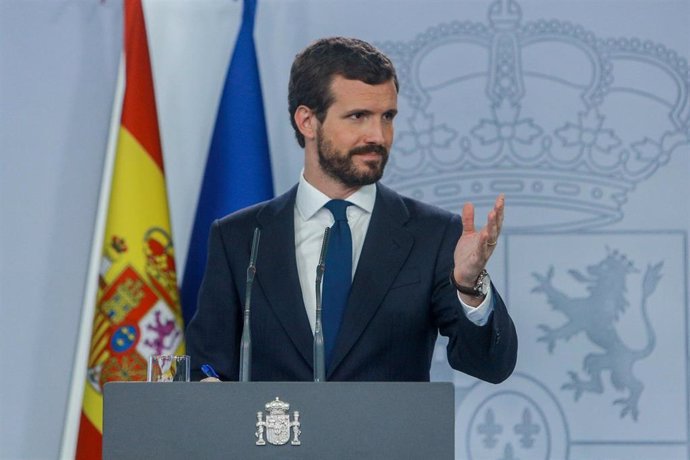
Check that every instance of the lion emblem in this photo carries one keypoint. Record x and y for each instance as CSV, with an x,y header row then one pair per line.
x,y
595,315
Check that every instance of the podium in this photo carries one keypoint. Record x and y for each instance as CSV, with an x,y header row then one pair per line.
x,y
334,420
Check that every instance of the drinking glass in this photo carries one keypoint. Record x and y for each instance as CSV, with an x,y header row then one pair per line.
x,y
168,368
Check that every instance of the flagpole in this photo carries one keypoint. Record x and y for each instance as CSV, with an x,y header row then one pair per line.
x,y
74,403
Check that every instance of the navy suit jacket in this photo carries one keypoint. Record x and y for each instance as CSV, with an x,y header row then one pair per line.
x,y
401,298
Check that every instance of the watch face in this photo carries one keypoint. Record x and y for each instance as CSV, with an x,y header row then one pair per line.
x,y
485,284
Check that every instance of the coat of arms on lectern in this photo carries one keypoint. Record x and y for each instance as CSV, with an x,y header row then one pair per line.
x,y
277,425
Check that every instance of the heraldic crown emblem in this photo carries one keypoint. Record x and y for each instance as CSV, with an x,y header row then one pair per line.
x,y
545,111
277,425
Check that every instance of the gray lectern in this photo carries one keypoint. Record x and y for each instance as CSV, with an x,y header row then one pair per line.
x,y
323,420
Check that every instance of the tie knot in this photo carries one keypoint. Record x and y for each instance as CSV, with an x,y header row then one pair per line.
x,y
338,208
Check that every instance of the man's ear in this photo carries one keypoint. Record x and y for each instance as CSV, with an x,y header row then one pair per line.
x,y
306,121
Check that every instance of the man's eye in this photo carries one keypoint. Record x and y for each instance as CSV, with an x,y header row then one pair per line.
x,y
357,115
389,116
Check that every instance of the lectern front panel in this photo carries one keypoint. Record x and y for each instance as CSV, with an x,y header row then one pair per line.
x,y
308,420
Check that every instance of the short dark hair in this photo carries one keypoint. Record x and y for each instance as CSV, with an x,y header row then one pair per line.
x,y
314,68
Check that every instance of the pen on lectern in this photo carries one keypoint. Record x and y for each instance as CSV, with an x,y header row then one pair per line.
x,y
209,371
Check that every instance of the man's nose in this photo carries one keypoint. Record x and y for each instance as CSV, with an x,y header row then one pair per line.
x,y
375,132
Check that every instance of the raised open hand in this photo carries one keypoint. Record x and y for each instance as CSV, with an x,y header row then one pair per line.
x,y
474,247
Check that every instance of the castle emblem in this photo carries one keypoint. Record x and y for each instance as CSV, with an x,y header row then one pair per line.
x,y
277,425
595,316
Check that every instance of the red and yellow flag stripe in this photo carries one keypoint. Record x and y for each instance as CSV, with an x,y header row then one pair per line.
x,y
137,309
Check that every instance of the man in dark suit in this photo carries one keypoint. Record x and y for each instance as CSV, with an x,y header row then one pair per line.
x,y
416,269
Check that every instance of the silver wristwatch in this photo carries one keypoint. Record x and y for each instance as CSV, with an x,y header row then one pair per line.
x,y
481,286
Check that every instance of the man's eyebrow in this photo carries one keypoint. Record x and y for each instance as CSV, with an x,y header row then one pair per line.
x,y
351,112
368,111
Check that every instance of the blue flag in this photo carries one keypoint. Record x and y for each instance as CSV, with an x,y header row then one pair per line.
x,y
238,168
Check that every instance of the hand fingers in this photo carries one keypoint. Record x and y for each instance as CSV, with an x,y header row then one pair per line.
x,y
490,233
492,230
495,221
500,208
468,218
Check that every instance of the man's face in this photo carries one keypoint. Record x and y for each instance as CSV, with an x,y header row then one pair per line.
x,y
357,133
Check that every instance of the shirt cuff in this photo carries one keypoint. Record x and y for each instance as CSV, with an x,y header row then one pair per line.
x,y
479,315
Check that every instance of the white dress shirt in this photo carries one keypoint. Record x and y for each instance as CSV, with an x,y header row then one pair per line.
x,y
311,220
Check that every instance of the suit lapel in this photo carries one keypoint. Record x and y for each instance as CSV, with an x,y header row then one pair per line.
x,y
277,271
386,247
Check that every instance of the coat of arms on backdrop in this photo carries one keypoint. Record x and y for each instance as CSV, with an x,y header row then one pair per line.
x,y
568,124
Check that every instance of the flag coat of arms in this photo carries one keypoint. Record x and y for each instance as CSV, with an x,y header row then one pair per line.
x,y
137,311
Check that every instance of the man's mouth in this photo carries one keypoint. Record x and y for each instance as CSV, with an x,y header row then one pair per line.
x,y
370,150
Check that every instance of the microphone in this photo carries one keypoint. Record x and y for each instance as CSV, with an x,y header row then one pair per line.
x,y
319,355
246,343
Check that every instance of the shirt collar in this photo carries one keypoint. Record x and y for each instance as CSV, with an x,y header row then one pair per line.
x,y
310,199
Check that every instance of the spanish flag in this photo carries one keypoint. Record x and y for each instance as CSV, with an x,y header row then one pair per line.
x,y
137,310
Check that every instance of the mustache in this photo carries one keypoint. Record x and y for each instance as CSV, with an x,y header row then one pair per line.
x,y
371,148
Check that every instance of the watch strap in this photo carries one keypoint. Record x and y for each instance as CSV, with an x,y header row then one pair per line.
x,y
474,290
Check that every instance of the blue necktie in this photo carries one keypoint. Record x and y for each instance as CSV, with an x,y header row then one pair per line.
x,y
337,278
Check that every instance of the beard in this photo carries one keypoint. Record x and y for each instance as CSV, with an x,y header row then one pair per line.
x,y
342,168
